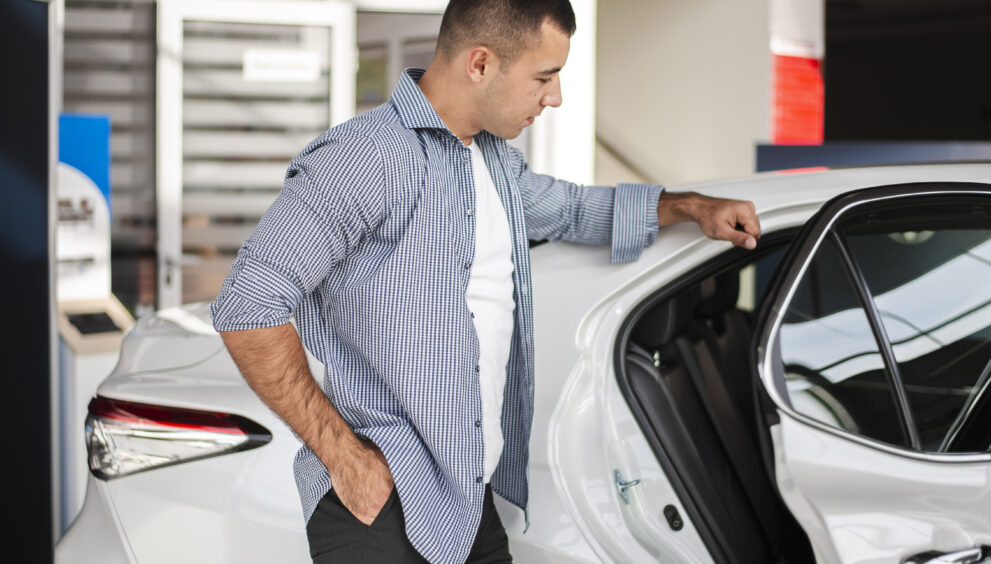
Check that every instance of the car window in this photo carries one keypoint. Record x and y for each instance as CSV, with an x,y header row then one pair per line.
x,y
933,292
755,277
917,269
834,370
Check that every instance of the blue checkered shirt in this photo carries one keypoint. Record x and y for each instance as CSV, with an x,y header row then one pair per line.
x,y
370,245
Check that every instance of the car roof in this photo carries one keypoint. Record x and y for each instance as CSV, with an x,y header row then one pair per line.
x,y
583,275
776,185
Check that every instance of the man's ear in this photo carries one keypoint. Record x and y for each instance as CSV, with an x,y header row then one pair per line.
x,y
480,63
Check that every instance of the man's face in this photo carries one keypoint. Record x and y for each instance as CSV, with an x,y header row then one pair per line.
x,y
512,98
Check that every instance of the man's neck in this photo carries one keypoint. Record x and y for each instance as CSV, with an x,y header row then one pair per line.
x,y
450,102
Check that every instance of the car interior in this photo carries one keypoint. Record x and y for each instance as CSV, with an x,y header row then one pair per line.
x,y
688,371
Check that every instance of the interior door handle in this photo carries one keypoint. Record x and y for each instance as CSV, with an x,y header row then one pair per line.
x,y
974,555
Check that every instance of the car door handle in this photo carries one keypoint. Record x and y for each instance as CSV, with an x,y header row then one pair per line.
x,y
623,485
967,556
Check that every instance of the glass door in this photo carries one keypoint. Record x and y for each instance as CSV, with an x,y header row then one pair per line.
x,y
242,87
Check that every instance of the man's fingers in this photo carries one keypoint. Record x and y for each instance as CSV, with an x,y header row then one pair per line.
x,y
750,226
742,239
745,240
726,220
737,237
746,219
745,226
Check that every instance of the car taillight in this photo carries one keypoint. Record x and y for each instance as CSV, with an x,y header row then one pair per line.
x,y
124,437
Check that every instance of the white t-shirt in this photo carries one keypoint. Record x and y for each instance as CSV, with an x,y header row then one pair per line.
x,y
490,300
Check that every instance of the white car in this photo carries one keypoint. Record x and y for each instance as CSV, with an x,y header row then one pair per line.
x,y
823,398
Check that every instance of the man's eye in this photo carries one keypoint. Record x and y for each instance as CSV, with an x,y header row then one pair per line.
x,y
544,80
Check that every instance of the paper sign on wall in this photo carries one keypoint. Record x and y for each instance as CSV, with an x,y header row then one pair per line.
x,y
281,65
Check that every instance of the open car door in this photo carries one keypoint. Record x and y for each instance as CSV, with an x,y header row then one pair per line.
x,y
873,353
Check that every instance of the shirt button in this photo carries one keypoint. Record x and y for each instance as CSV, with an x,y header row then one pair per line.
x,y
469,212
467,265
478,480
476,368
478,422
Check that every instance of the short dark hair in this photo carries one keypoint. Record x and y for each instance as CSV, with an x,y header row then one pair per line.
x,y
505,26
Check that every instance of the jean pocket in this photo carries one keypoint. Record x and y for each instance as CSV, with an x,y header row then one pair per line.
x,y
385,508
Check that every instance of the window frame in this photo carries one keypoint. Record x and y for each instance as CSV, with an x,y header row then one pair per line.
x,y
792,270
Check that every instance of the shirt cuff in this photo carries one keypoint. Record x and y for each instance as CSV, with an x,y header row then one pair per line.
x,y
634,224
254,296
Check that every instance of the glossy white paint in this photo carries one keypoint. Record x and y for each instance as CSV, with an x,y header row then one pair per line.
x,y
865,505
621,288
243,507
865,501
594,432
97,535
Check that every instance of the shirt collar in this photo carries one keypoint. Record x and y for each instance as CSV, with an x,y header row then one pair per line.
x,y
414,109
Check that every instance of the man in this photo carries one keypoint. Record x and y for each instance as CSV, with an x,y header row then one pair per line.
x,y
399,241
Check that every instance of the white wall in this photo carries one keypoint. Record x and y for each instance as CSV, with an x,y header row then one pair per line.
x,y
683,87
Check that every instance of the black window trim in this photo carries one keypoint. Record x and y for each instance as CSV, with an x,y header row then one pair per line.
x,y
856,276
782,288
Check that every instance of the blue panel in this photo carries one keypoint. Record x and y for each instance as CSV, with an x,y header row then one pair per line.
x,y
84,144
836,154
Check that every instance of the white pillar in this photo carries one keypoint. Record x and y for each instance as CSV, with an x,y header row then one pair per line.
x,y
562,141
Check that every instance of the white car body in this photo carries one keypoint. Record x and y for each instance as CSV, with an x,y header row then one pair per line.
x,y
243,506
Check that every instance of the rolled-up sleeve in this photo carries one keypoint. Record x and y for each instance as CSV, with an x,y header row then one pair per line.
x,y
332,198
634,220
624,216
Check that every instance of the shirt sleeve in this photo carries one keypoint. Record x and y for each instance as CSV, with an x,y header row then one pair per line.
x,y
624,216
333,196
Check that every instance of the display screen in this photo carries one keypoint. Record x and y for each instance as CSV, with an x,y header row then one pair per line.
x,y
89,323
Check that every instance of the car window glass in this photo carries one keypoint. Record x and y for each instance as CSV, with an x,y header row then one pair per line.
x,y
834,371
755,277
932,288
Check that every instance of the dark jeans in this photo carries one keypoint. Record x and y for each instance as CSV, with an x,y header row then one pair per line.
x,y
335,535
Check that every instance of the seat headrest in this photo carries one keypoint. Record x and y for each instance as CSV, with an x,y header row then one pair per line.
x,y
665,321
718,293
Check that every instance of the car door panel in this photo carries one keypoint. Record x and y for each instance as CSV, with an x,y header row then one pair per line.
x,y
598,425
864,504
863,402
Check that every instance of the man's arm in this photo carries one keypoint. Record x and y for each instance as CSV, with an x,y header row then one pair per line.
x,y
333,196
624,215
273,363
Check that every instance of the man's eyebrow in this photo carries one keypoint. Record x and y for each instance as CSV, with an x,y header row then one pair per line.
x,y
550,71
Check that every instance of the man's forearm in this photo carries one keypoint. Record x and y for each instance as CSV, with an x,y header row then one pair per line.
x,y
274,364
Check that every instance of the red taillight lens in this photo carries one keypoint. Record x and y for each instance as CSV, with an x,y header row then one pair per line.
x,y
124,437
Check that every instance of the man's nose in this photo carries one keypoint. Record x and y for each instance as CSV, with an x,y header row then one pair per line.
x,y
553,97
